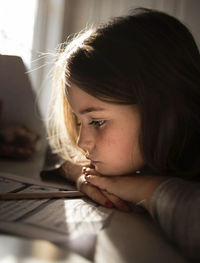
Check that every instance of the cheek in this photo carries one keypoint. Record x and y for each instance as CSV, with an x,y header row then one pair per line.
x,y
122,146
116,142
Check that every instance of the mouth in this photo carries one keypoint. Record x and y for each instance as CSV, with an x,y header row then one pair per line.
x,y
94,164
93,161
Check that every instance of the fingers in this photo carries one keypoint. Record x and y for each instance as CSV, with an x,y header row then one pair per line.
x,y
117,202
89,170
123,205
105,183
93,192
122,186
101,197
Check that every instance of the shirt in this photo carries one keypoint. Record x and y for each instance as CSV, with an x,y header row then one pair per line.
x,y
176,208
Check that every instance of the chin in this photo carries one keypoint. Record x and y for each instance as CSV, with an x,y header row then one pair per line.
x,y
103,170
113,171
107,171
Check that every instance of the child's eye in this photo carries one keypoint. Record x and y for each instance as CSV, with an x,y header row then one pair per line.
x,y
97,123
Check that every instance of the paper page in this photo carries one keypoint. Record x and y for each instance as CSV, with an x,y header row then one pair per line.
x,y
57,220
32,181
72,217
7,185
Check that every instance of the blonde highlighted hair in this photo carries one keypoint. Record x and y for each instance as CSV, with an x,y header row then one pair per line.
x,y
62,125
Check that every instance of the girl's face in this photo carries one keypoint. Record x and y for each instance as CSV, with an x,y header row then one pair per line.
x,y
108,132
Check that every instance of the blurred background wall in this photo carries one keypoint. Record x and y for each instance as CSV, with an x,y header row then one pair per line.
x,y
46,23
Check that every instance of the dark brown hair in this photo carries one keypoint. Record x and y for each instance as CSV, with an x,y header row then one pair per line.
x,y
148,58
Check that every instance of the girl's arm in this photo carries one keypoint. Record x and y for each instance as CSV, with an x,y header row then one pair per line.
x,y
134,189
176,208
172,202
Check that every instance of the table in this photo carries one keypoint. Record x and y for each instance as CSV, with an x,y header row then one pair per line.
x,y
127,237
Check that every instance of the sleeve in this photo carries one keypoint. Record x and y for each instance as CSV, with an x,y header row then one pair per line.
x,y
176,208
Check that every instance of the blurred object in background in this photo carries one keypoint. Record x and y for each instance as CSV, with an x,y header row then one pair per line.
x,y
22,133
17,96
18,142
21,125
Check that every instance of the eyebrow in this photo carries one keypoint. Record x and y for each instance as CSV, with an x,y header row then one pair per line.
x,y
90,109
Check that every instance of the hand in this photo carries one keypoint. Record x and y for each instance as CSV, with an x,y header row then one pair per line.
x,y
134,189
75,172
100,196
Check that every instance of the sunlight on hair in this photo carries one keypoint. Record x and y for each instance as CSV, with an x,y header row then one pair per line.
x,y
57,131
71,47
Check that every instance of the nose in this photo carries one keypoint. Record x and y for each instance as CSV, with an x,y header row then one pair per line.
x,y
85,140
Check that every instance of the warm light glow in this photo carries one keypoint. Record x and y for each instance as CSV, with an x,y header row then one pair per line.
x,y
16,27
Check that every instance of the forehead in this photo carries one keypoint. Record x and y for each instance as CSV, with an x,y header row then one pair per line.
x,y
82,102
79,99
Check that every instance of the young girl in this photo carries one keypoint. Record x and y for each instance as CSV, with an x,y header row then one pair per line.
x,y
127,95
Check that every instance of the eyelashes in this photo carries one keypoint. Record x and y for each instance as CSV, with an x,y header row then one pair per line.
x,y
94,123
97,123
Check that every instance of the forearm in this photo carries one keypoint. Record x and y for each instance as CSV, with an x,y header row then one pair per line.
x,y
176,208
134,189
148,184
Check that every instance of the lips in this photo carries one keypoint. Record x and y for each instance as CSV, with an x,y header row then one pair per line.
x,y
89,158
92,161
92,166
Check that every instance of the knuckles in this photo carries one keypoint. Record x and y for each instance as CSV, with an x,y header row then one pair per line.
x,y
81,183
